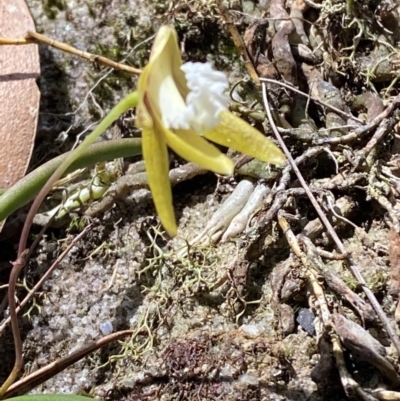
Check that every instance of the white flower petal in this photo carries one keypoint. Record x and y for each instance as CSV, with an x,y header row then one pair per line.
x,y
207,96
172,106
204,102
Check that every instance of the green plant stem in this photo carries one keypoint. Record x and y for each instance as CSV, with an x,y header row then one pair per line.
x,y
27,188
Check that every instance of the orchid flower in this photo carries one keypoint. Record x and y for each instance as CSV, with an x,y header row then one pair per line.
x,y
181,106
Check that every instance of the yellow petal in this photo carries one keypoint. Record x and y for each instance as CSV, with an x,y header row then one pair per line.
x,y
237,134
165,46
165,55
165,61
193,148
155,155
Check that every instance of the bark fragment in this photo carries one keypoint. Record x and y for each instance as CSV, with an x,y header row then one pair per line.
x,y
19,94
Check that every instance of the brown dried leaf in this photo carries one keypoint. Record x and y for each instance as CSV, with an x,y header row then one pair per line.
x,y
19,94
283,57
326,92
249,39
256,51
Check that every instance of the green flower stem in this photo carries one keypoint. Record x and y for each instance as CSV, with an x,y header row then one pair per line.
x,y
27,188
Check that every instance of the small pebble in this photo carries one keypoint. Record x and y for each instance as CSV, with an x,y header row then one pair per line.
x,y
250,330
305,319
248,379
106,328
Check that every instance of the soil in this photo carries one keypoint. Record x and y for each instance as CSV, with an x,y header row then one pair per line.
x,y
242,319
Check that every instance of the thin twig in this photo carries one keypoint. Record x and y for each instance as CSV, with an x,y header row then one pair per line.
x,y
17,266
40,376
33,37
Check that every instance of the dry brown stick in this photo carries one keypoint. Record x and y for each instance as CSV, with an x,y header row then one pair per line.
x,y
50,370
342,249
384,128
283,59
33,37
48,272
237,40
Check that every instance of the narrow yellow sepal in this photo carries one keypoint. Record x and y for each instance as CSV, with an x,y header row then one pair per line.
x,y
237,134
155,154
